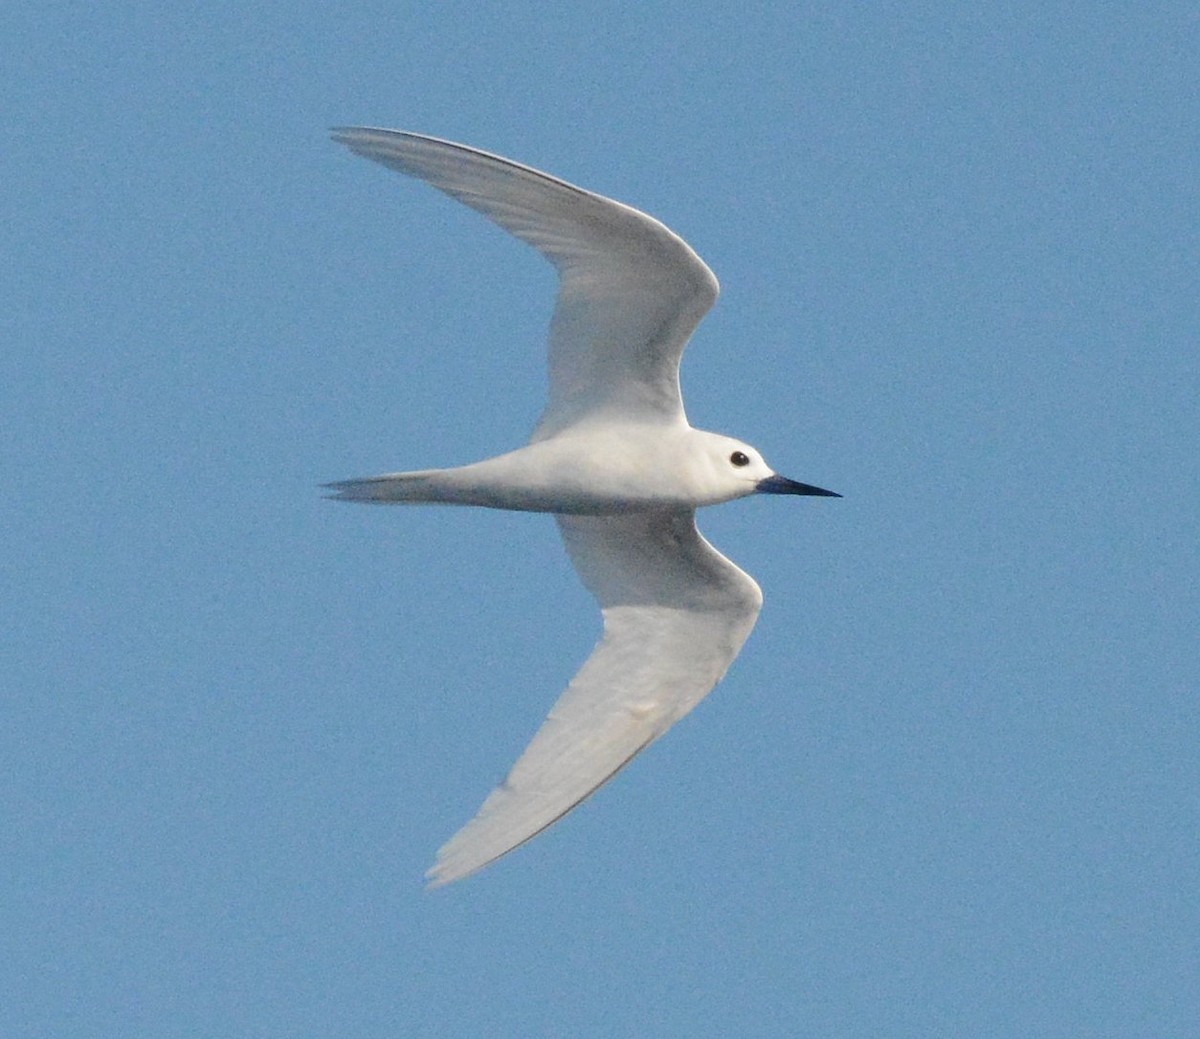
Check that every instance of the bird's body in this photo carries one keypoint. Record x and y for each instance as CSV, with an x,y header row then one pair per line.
x,y
614,459
611,470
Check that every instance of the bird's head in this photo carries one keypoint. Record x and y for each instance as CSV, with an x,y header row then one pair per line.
x,y
735,470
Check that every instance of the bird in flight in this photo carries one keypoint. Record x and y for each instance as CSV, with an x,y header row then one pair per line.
x,y
614,459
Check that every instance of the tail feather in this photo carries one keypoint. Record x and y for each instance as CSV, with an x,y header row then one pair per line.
x,y
387,489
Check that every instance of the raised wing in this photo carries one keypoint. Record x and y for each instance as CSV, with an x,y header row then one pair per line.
x,y
631,291
676,613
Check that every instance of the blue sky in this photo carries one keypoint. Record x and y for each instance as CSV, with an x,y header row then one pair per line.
x,y
951,786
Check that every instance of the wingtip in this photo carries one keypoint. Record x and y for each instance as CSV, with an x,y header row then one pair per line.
x,y
441,874
352,135
457,865
433,881
344,134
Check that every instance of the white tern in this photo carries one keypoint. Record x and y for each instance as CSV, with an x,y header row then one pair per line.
x,y
614,459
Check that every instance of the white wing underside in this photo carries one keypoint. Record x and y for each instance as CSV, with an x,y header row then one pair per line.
x,y
676,613
631,291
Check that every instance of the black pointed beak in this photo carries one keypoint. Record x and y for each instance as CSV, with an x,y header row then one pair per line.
x,y
782,485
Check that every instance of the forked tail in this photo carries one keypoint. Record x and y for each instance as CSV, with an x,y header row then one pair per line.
x,y
389,489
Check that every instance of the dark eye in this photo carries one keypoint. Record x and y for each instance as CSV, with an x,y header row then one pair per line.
x,y
739,458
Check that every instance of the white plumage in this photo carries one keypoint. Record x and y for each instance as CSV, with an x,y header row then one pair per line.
x,y
615,459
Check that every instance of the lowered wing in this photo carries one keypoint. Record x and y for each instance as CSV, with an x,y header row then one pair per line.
x,y
676,613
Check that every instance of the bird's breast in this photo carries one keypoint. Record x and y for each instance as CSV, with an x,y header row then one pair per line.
x,y
597,474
